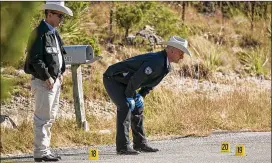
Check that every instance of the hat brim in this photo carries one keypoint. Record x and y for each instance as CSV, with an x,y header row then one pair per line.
x,y
62,9
178,46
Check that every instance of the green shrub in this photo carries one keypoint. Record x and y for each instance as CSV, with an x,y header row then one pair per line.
x,y
14,34
77,8
93,41
255,60
128,16
5,89
208,52
165,22
212,59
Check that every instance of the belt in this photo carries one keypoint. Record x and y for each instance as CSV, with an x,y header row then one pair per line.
x,y
54,78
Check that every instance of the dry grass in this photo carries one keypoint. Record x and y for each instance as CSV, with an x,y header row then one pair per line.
x,y
64,133
70,135
94,83
19,140
67,88
198,114
213,56
14,83
166,113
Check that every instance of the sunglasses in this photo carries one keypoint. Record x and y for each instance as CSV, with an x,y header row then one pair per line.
x,y
61,16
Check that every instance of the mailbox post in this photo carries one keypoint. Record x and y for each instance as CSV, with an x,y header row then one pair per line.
x,y
77,55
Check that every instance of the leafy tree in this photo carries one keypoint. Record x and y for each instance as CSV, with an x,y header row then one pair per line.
x,y
15,29
127,16
77,7
72,31
183,11
146,6
165,22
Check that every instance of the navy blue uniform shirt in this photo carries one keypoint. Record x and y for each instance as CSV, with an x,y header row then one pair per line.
x,y
143,71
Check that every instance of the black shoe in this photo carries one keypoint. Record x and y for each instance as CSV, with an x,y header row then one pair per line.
x,y
48,158
145,148
128,151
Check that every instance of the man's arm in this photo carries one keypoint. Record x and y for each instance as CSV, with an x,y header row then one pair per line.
x,y
145,90
144,72
36,56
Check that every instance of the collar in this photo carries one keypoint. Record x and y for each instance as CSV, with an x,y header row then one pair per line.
x,y
167,62
51,28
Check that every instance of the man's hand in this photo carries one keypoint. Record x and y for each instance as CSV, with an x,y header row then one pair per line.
x,y
139,101
130,103
50,83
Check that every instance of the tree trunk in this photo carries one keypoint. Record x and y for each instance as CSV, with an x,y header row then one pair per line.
x,y
111,18
183,12
265,10
222,12
252,14
126,34
111,21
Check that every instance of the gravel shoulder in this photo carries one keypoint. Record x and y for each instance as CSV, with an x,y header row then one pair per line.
x,y
176,150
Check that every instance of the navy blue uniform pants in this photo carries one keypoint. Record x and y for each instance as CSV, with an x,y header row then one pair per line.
x,y
125,117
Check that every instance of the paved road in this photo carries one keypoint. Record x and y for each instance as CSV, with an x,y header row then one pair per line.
x,y
178,150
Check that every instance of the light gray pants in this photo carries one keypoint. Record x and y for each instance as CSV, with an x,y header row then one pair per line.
x,y
46,108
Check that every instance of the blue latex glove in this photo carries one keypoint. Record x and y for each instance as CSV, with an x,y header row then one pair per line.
x,y
139,101
130,103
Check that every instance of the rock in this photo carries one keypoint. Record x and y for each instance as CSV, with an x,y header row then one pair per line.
x,y
7,122
130,39
149,33
19,72
111,48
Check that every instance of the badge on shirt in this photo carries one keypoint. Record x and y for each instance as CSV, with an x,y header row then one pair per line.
x,y
49,49
148,70
55,50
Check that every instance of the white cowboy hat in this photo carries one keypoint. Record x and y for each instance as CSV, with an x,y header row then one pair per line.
x,y
58,6
178,43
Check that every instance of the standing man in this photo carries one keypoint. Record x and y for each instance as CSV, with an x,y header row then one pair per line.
x,y
46,64
143,72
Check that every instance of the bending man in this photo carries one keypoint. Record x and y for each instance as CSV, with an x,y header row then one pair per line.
x,y
143,72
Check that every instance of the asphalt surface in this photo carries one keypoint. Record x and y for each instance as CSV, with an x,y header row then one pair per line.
x,y
178,150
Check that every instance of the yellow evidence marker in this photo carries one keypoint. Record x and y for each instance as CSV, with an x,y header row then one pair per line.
x,y
225,147
240,150
93,154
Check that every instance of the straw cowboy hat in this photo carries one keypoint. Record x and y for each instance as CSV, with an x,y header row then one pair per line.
x,y
178,43
58,6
